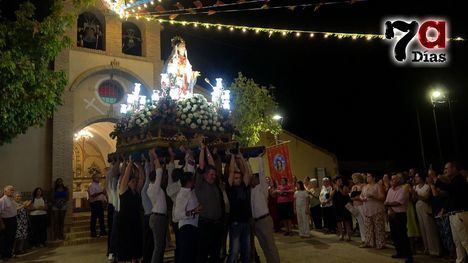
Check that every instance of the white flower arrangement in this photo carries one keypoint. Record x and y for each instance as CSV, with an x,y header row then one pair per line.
x,y
194,112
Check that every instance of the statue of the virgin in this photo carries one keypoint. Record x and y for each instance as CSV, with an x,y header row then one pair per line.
x,y
178,75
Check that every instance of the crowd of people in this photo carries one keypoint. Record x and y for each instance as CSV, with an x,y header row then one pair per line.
x,y
204,204
418,209
24,223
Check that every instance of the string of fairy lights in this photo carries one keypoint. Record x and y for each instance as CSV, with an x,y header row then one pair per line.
x,y
274,31
138,10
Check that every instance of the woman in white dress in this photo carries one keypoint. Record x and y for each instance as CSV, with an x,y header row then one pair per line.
x,y
426,221
359,182
301,208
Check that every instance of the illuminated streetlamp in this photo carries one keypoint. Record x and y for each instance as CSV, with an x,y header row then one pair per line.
x,y
279,119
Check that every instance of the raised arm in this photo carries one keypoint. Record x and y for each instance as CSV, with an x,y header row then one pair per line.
x,y
155,159
247,170
159,170
232,170
141,177
261,175
126,176
201,157
209,157
170,167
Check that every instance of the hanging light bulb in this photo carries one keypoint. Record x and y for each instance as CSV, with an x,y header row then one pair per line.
x,y
298,34
311,35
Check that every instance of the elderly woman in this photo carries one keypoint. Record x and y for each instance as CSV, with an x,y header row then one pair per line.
x,y
315,210
326,202
427,225
356,190
22,226
373,197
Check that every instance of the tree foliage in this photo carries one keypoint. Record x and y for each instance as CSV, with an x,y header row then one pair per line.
x,y
253,109
30,88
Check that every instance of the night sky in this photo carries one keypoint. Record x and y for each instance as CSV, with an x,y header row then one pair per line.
x,y
343,95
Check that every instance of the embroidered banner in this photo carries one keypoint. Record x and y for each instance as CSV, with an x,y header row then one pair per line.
x,y
279,163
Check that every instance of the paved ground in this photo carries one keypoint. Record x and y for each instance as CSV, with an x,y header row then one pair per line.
x,y
319,248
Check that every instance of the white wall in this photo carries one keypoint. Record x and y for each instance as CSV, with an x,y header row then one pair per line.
x,y
26,162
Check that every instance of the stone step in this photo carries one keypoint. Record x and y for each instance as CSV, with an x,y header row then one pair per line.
x,y
77,235
84,240
80,217
76,217
74,228
78,223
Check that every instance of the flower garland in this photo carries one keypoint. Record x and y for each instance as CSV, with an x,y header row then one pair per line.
x,y
197,113
194,112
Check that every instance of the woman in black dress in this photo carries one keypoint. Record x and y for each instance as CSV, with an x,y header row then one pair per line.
x,y
343,216
130,231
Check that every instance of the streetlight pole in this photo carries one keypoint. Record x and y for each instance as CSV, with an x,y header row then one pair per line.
x,y
437,134
454,131
421,143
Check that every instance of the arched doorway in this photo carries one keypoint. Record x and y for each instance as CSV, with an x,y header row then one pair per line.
x,y
91,145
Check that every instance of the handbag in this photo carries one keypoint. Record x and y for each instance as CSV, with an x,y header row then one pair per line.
x,y
354,211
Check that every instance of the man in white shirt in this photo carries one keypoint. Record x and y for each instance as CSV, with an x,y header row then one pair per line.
x,y
172,189
186,212
148,239
260,213
110,204
7,222
158,219
97,198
